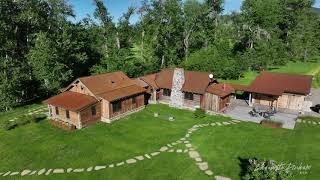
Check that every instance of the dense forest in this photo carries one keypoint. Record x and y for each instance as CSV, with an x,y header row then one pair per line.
x,y
41,50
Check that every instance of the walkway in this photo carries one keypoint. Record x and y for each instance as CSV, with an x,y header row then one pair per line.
x,y
168,148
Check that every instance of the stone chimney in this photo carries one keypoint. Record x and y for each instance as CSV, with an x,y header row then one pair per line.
x,y
176,98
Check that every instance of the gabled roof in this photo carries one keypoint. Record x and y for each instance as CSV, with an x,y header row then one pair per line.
x,y
105,85
150,79
221,90
195,82
72,101
122,92
278,83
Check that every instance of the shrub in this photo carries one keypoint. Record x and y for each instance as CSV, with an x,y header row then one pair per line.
x,y
266,169
199,113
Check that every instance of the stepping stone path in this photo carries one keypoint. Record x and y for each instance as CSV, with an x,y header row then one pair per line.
x,y
140,158
221,178
78,170
308,122
25,172
97,168
58,171
40,172
131,161
203,166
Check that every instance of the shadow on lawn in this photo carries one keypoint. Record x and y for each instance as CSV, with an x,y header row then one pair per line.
x,y
244,164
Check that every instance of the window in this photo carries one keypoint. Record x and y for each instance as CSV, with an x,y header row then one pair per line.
x,y
133,100
57,111
116,106
67,114
188,96
93,110
167,92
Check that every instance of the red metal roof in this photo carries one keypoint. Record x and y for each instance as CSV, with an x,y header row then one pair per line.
x,y
278,83
122,92
195,82
221,90
72,101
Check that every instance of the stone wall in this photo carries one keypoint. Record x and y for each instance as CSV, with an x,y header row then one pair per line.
x,y
177,96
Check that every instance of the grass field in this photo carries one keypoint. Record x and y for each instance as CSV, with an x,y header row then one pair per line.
x,y
40,145
292,67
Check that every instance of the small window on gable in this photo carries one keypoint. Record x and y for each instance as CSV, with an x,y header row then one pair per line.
x,y
93,110
67,114
57,111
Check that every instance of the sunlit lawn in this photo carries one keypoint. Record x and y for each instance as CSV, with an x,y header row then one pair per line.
x,y
40,145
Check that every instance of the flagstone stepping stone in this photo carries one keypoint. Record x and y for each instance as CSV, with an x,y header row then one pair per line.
x,y
194,154
221,178
14,173
237,121
48,172
195,126
318,122
198,159
97,168
179,150
24,172
179,141
120,163
213,124
7,173
187,135
78,170
111,165
155,153
209,172
171,150
183,139
186,142
58,171
164,148
89,169
1,173
186,150
219,124
225,123
147,156
188,145
69,170
169,145
131,161
140,158
191,149
32,173
314,123
203,166
40,172
298,120
173,144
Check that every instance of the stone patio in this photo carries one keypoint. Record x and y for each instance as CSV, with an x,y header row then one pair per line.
x,y
242,113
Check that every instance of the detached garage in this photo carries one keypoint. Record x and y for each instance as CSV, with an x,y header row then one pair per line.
x,y
280,90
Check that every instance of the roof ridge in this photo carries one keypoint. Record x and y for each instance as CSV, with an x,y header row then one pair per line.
x,y
117,89
100,74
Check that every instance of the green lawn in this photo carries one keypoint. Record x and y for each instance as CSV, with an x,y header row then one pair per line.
x,y
291,67
40,145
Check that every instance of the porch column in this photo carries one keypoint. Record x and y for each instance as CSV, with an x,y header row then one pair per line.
x,y
250,99
79,118
155,95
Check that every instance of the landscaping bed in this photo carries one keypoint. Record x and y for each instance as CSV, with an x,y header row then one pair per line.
x,y
272,124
